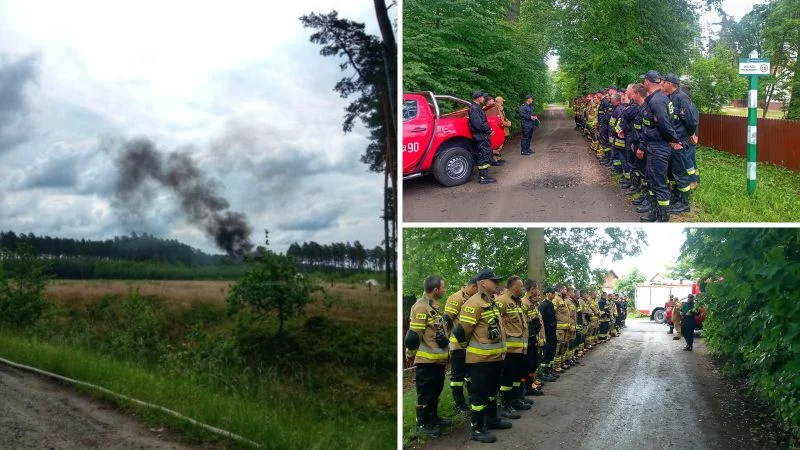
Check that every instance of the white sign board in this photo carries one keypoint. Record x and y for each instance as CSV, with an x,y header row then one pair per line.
x,y
754,67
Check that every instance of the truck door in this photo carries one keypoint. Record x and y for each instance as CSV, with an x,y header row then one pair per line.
x,y
417,130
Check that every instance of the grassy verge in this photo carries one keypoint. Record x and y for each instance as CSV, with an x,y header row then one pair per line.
x,y
273,417
742,112
410,437
722,195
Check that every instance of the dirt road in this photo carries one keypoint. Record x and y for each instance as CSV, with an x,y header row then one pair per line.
x,y
37,413
639,391
561,182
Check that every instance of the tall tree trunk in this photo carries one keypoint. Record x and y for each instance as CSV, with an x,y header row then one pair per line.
x,y
387,241
390,55
793,111
536,255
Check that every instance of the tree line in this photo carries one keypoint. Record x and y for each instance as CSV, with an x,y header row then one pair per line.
x,y
172,259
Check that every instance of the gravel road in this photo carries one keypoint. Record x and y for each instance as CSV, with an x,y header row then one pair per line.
x,y
38,413
639,391
561,182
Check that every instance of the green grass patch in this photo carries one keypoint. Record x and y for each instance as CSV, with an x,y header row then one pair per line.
x,y
272,415
742,112
722,195
410,436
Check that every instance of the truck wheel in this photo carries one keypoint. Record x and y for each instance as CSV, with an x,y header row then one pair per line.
x,y
453,166
660,316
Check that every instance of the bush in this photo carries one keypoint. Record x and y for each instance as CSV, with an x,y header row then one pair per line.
x,y
22,284
753,276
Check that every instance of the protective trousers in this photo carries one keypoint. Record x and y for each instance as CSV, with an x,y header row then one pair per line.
x,y
550,348
527,135
429,379
690,155
484,383
679,169
514,368
458,375
658,154
484,147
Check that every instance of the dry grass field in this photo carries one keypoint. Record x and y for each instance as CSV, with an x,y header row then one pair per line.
x,y
352,301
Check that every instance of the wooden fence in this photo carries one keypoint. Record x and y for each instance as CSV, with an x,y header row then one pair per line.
x,y
778,141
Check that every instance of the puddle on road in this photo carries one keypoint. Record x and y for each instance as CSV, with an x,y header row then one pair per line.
x,y
552,182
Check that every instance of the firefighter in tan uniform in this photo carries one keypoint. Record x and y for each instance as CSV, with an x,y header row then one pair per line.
x,y
594,319
536,340
612,314
497,155
573,326
480,332
458,365
426,342
676,318
562,331
515,326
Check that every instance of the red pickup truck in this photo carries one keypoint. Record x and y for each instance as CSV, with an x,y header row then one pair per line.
x,y
441,143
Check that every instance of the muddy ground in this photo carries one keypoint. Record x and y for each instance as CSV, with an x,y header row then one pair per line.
x,y
39,413
560,182
639,391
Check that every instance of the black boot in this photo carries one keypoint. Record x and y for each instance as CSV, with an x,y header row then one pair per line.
x,y
484,178
434,416
651,214
662,213
424,426
492,421
507,410
648,205
634,187
460,404
682,205
478,430
518,399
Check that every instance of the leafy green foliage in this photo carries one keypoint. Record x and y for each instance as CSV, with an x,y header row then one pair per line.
x,y
273,285
753,276
22,282
627,284
715,79
457,254
456,47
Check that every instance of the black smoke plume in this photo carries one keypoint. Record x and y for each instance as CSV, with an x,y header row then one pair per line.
x,y
141,162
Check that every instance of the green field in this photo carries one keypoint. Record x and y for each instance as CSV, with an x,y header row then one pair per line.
x,y
741,111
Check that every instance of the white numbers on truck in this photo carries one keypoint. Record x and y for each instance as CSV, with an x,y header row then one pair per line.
x,y
411,147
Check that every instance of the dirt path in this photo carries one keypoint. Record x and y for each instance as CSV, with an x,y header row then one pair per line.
x,y
639,391
37,413
561,182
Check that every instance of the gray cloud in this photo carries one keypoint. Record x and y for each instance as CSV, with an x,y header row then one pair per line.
x,y
15,75
53,173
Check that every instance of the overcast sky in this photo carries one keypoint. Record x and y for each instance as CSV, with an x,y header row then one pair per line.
x,y
238,85
664,244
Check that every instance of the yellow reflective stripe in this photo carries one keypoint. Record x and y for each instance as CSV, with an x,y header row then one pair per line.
x,y
450,309
505,388
456,383
453,340
477,407
663,203
646,122
468,320
511,344
484,352
691,171
485,166
417,326
562,325
433,356
685,189
637,126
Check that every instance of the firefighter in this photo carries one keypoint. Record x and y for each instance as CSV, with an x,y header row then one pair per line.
x,y
550,324
583,322
481,134
515,325
603,118
676,318
685,122
528,118
562,330
604,318
458,366
688,312
501,110
592,115
615,133
639,93
536,339
594,320
572,334
480,332
426,342
661,140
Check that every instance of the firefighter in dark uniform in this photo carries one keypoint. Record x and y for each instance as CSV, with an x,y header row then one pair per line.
x,y
604,116
528,118
458,365
481,134
616,135
480,332
631,133
515,327
638,144
688,314
661,139
685,122
426,342
548,314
